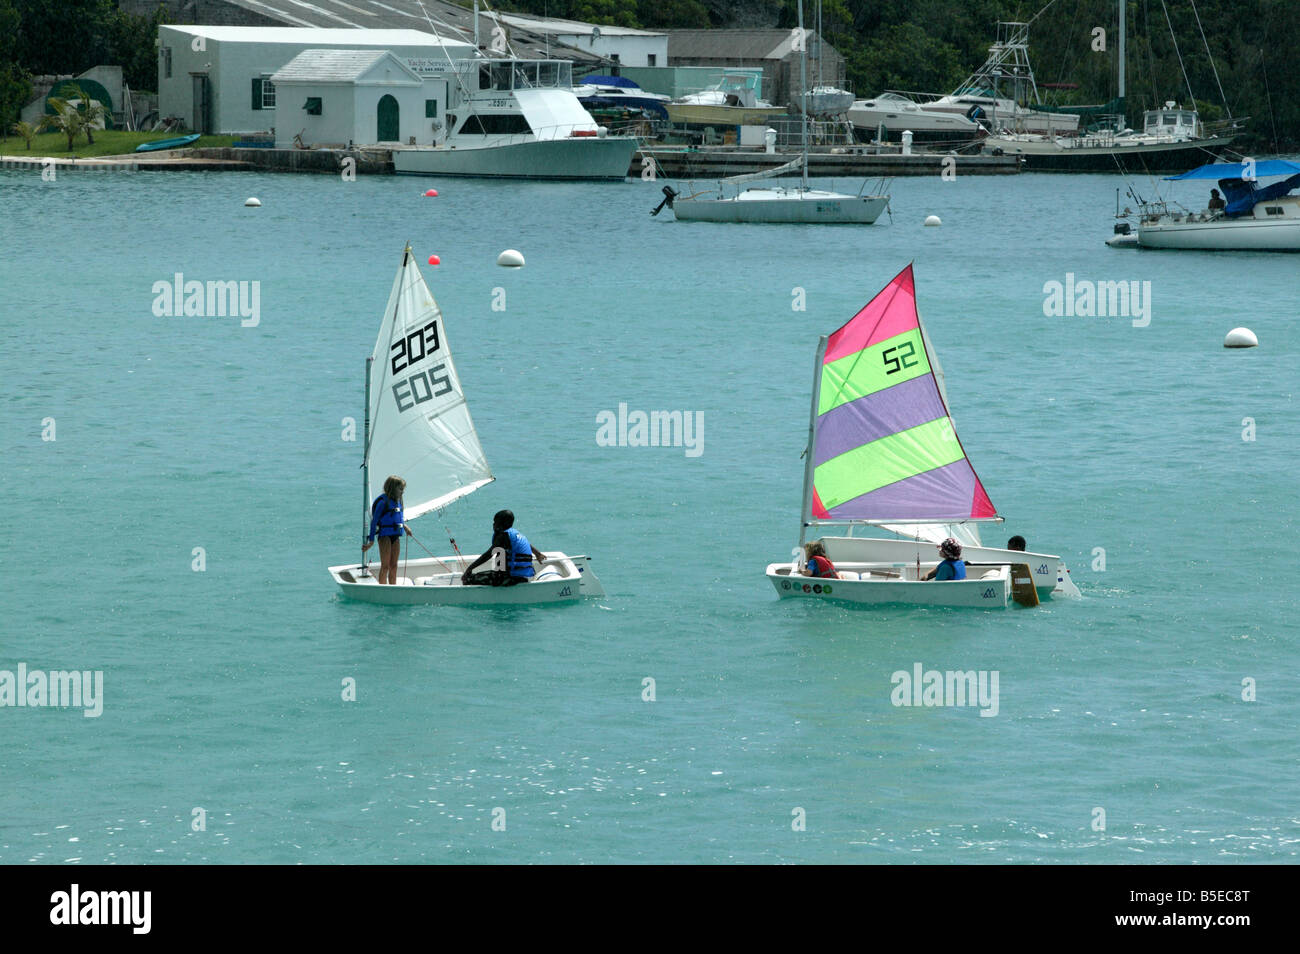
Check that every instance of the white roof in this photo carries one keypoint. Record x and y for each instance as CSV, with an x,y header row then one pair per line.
x,y
568,27
337,66
318,36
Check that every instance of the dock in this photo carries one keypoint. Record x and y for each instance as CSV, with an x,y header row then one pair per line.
x,y
174,161
671,162
720,161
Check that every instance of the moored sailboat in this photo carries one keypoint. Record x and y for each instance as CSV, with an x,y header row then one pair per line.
x,y
882,452
418,427
778,204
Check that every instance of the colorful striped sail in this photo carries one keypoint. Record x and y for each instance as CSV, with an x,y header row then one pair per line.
x,y
884,447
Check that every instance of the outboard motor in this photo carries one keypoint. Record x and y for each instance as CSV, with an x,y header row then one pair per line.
x,y
669,194
1123,228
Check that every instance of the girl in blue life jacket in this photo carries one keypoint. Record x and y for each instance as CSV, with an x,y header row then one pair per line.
x,y
386,523
952,567
817,563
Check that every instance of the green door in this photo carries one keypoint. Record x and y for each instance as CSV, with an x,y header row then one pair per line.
x,y
389,127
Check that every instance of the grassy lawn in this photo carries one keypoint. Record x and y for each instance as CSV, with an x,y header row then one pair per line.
x,y
108,142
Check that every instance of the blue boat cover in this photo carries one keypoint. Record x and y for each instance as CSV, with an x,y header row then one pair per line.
x,y
1235,170
628,84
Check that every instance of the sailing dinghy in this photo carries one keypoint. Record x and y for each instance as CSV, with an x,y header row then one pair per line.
x,y
882,452
418,427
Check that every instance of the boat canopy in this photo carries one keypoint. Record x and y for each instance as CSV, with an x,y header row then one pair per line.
x,y
1239,170
1242,194
1114,108
621,81
884,449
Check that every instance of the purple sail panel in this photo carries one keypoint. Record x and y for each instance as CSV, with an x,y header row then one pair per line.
x,y
877,415
914,498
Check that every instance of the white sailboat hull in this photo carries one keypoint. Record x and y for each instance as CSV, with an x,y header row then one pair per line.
x,y
1051,576
788,206
895,583
1281,235
436,581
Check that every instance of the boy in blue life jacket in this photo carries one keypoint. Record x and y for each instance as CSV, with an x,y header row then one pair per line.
x,y
517,556
951,567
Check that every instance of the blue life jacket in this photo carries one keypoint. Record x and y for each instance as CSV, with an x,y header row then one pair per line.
x,y
951,570
386,517
520,558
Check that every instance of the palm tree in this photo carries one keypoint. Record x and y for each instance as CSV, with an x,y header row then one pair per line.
x,y
66,119
25,131
76,99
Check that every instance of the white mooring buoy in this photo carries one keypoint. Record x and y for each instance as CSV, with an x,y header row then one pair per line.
x,y
253,202
511,258
933,220
1240,338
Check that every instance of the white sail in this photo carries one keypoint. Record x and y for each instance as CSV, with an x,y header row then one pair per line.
x,y
792,166
420,428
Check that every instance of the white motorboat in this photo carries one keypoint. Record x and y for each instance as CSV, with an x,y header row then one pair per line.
x,y
418,427
882,452
1256,217
509,118
1002,93
733,101
619,92
890,114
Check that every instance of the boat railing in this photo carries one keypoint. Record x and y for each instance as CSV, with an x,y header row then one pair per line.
x,y
557,131
916,97
1223,127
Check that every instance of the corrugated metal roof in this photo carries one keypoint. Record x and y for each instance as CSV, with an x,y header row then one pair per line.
x,y
570,27
375,38
336,66
448,19
732,44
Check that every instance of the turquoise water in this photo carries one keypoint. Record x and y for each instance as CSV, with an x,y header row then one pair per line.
x,y
222,688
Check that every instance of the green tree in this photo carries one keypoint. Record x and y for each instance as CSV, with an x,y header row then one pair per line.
x,y
66,119
25,131
133,47
64,36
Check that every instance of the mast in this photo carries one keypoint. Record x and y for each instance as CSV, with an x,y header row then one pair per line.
x,y
808,464
1123,24
365,468
803,93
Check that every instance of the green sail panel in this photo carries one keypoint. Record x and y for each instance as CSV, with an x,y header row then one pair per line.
x,y
892,361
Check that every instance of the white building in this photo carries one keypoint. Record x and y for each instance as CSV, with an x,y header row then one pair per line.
x,y
337,97
218,79
621,46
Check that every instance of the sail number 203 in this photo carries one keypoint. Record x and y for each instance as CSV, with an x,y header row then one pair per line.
x,y
422,385
904,358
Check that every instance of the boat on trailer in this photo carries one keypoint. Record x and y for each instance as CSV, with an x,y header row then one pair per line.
x,y
882,452
418,426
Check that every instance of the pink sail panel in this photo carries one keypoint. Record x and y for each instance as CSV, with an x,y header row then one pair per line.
x,y
885,449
